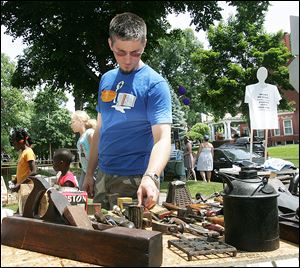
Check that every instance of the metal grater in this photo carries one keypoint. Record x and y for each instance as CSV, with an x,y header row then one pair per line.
x,y
201,246
178,194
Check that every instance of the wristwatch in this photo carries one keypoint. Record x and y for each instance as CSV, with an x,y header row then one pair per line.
x,y
154,177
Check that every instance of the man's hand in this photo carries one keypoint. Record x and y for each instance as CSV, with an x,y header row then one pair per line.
x,y
88,185
147,193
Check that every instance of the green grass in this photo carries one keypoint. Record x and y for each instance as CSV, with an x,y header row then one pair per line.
x,y
287,152
196,187
13,207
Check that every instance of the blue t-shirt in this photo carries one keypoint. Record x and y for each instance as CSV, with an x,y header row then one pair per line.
x,y
129,105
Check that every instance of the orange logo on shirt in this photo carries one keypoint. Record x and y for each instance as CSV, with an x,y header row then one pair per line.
x,y
108,95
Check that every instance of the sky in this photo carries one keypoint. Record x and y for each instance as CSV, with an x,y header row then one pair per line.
x,y
277,18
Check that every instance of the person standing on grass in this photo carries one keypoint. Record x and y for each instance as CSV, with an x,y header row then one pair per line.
x,y
205,157
188,158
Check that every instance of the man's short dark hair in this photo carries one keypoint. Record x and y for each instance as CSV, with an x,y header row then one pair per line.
x,y
128,26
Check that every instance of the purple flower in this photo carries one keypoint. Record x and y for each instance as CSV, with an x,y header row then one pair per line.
x,y
186,101
181,90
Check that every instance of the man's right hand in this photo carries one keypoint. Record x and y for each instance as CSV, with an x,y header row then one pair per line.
x,y
88,185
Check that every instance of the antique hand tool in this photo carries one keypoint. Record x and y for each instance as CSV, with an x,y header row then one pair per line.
x,y
57,202
120,221
217,220
160,212
182,213
194,229
135,214
167,228
99,216
214,227
199,197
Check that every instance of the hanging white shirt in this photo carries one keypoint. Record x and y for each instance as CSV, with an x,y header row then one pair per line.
x,y
263,100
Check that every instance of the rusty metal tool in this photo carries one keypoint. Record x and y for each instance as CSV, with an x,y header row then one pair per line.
x,y
194,229
214,227
120,221
199,197
99,216
167,228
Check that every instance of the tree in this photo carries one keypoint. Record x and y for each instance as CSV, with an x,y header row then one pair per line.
x,y
172,58
51,123
68,39
238,49
16,111
179,123
198,131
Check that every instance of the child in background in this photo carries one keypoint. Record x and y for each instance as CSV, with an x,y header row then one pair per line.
x,y
85,126
26,166
62,159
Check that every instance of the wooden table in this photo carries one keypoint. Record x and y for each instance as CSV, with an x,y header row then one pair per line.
x,y
13,257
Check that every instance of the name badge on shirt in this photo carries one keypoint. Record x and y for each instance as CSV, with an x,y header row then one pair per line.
x,y
125,99
124,102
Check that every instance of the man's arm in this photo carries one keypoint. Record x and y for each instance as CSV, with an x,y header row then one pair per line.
x,y
88,184
159,157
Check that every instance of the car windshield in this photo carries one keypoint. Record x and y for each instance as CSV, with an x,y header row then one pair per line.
x,y
239,154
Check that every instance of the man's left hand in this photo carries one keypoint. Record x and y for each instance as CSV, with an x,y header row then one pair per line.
x,y
147,193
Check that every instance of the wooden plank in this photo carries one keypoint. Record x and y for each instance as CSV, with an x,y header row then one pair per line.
x,y
118,246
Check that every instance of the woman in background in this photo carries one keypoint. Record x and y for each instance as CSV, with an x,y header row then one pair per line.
x,y
205,157
189,159
85,126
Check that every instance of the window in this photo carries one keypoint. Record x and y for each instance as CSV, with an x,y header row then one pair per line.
x,y
260,133
288,127
245,132
277,132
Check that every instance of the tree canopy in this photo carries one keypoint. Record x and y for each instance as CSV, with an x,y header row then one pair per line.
x,y
237,50
15,110
44,115
67,40
172,58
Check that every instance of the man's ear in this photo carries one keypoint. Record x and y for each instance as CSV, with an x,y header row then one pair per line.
x,y
110,43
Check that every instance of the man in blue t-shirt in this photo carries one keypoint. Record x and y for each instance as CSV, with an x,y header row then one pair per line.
x,y
132,142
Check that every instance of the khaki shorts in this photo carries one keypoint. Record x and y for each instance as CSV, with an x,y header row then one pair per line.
x,y
125,186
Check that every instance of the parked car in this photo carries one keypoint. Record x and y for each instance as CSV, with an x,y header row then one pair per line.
x,y
258,145
225,156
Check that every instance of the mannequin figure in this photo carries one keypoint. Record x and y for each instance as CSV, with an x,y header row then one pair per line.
x,y
263,99
262,74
